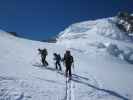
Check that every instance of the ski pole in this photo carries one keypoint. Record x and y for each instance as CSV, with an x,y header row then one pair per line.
x,y
73,68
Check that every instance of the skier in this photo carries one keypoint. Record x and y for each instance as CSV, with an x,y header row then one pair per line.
x,y
68,61
57,59
43,53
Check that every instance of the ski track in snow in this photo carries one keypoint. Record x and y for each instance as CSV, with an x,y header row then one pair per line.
x,y
70,90
21,89
17,89
95,93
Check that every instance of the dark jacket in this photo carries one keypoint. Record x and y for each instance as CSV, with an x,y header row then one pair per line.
x,y
57,57
68,59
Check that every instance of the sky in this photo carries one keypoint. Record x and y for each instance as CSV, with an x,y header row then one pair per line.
x,y
42,19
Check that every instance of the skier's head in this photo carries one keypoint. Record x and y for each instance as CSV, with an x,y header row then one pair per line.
x,y
39,50
45,49
54,54
68,52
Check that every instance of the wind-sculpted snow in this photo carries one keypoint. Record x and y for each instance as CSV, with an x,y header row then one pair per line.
x,y
105,27
98,33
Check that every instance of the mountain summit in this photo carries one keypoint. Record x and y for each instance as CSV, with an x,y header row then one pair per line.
x,y
102,33
118,28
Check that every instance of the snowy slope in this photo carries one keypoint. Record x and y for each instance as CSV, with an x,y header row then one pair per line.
x,y
106,51
102,71
20,79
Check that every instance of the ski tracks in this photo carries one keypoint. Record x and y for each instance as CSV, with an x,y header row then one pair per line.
x,y
72,90
76,88
70,85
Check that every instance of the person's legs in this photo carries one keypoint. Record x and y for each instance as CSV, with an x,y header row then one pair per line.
x,y
70,73
43,60
46,63
43,63
66,71
59,65
56,65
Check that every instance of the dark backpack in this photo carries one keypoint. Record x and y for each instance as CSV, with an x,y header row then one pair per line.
x,y
58,57
44,52
68,59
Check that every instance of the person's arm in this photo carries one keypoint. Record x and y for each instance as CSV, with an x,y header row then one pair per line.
x,y
63,60
39,51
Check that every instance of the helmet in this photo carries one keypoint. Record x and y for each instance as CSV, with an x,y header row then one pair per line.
x,y
45,49
54,54
68,51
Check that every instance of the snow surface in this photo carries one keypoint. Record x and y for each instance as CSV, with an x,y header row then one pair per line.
x,y
103,69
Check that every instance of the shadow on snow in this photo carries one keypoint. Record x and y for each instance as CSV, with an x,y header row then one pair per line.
x,y
76,78
113,93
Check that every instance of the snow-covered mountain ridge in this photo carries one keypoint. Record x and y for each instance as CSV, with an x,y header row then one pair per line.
x,y
103,33
105,27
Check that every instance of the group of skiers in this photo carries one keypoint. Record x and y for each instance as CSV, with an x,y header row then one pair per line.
x,y
67,60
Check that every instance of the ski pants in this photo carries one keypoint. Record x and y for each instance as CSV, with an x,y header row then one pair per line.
x,y
44,62
68,70
58,65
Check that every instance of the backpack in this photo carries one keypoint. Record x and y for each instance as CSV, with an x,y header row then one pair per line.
x,y
44,52
58,57
68,59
